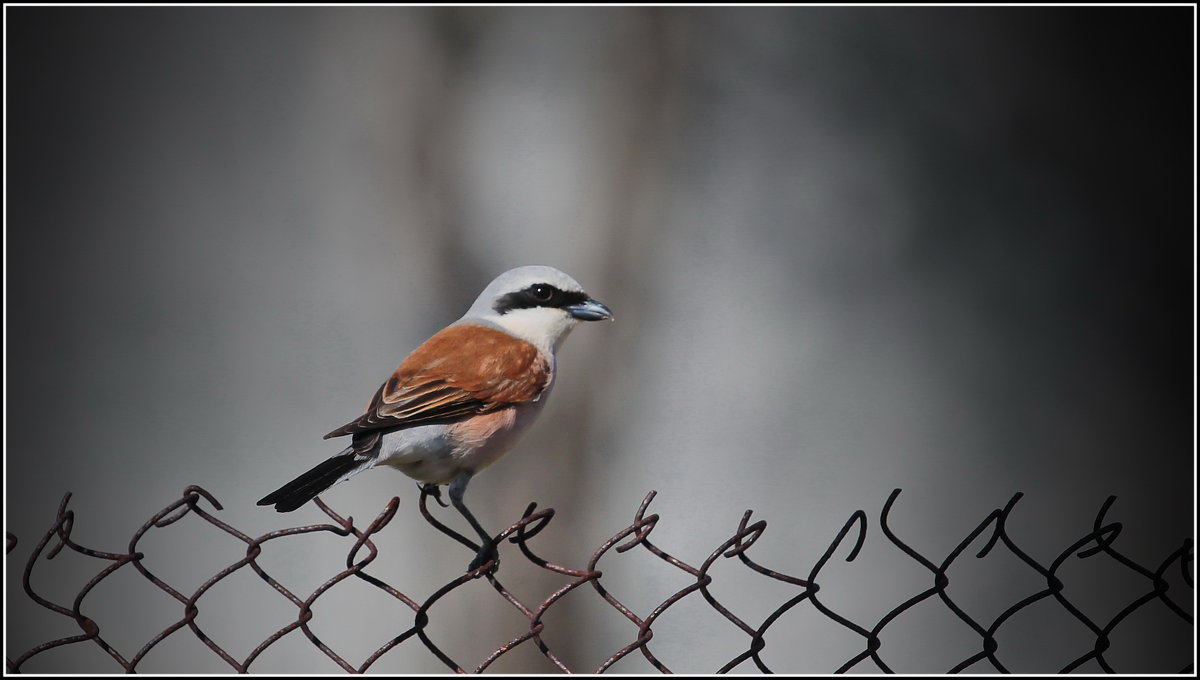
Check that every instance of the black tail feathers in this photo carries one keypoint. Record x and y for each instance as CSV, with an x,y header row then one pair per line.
x,y
308,485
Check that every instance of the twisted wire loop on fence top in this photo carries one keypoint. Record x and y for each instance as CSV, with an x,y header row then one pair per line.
x,y
362,552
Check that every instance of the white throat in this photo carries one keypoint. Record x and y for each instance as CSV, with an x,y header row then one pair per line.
x,y
542,327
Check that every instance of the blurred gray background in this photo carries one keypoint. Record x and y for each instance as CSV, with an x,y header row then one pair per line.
x,y
849,250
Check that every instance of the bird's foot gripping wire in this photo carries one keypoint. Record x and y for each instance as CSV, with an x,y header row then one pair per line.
x,y
434,491
487,553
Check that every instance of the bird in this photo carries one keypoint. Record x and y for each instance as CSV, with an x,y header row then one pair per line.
x,y
461,399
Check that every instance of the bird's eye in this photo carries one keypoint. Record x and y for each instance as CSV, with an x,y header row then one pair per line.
x,y
542,292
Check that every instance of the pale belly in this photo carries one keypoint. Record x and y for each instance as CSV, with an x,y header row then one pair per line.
x,y
437,453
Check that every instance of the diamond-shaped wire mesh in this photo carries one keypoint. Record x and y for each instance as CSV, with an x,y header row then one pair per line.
x,y
848,541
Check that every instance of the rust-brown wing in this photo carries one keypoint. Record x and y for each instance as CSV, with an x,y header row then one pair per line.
x,y
463,370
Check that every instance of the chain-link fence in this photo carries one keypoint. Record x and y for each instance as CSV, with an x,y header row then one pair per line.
x,y
1095,544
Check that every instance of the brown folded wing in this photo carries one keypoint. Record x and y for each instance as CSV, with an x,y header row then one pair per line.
x,y
461,371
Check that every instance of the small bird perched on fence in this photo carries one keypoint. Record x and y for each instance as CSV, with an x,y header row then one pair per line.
x,y
460,400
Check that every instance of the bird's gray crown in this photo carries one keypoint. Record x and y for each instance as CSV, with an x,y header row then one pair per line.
x,y
527,287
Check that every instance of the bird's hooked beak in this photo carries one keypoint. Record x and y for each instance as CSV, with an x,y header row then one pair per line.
x,y
591,310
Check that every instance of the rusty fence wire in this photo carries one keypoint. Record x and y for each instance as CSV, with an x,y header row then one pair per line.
x,y
1098,543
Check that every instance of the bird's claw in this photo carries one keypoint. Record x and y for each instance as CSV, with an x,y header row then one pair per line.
x,y
487,553
433,490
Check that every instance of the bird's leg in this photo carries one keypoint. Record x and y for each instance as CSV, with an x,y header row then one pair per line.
x,y
487,550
